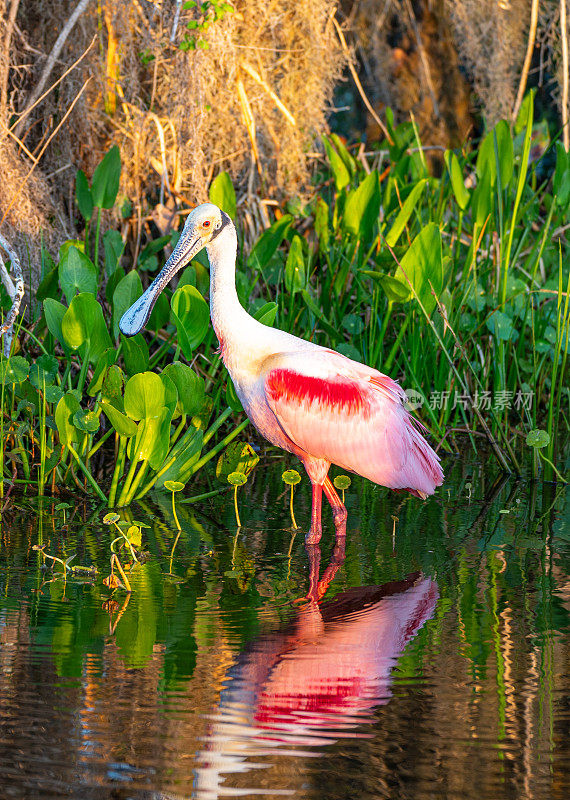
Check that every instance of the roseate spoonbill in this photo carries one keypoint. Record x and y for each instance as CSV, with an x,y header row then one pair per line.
x,y
309,400
311,683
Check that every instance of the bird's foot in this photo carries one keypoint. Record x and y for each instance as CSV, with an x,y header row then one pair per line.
x,y
314,535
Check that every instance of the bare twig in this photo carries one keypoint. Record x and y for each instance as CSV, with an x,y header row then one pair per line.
x,y
53,56
564,37
44,148
30,107
527,58
258,79
249,120
6,50
357,83
15,292
176,20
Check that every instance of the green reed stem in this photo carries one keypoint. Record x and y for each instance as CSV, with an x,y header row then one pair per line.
x,y
87,474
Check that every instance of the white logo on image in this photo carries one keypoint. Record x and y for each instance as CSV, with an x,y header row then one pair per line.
x,y
414,399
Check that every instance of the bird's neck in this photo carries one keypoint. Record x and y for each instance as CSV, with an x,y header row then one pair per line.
x,y
233,325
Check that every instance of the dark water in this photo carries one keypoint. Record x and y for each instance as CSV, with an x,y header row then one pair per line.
x,y
436,666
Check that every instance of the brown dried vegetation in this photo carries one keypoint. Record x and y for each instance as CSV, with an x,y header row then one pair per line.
x,y
251,101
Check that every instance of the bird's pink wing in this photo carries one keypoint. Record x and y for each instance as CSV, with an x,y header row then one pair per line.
x,y
353,416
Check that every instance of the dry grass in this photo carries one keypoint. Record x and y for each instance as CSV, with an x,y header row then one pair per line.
x,y
411,65
492,37
252,102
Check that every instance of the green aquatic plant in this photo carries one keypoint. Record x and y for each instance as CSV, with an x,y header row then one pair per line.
x,y
174,486
342,483
129,539
538,439
459,282
291,477
237,479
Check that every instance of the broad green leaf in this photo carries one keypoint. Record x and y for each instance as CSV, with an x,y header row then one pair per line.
x,y
237,457
295,272
86,421
127,291
83,325
121,423
152,439
341,149
267,244
185,453
64,413
322,224
135,353
13,370
267,313
423,266
114,247
83,196
112,283
561,180
170,394
237,478
339,168
105,184
342,482
144,396
53,394
108,357
501,325
362,207
173,486
161,441
482,204
538,438
222,194
405,212
232,398
49,285
460,191
189,385
291,477
77,274
313,307
353,324
487,160
134,535
395,290
43,371
191,316
160,314
54,312
112,386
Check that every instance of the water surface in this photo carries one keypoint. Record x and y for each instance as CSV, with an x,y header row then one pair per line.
x,y
436,665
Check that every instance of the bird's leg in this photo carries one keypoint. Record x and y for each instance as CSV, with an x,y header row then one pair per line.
x,y
338,509
336,562
314,553
318,588
315,531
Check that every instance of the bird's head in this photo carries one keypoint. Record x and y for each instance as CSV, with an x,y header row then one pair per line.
x,y
203,225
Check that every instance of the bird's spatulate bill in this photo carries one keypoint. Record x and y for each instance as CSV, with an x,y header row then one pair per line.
x,y
135,318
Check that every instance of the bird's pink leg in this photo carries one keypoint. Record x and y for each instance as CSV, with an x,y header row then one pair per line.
x,y
315,531
314,553
338,509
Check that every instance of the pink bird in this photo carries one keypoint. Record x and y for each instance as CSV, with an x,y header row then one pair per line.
x,y
310,400
308,685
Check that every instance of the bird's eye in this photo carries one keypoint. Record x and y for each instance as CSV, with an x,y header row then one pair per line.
x,y
206,223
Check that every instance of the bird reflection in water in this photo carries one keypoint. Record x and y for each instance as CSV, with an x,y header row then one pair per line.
x,y
313,682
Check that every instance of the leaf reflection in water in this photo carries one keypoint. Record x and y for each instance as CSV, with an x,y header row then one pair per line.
x,y
313,682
